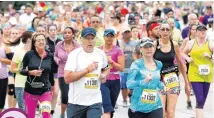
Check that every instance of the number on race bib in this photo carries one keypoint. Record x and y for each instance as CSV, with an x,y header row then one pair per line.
x,y
45,106
149,96
91,81
171,80
204,69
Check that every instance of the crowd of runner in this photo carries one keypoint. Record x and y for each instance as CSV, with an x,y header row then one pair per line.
x,y
89,52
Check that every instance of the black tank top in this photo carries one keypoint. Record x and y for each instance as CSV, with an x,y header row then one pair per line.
x,y
168,58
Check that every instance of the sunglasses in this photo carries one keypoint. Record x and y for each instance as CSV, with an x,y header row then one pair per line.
x,y
95,21
165,29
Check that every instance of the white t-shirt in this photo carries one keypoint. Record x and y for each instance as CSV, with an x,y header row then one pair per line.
x,y
27,19
85,91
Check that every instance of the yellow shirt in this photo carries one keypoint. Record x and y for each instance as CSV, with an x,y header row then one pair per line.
x,y
198,60
99,38
176,35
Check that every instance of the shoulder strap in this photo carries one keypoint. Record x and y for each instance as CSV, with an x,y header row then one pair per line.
x,y
157,44
172,44
190,49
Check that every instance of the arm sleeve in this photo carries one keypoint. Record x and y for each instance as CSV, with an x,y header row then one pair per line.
x,y
51,78
131,79
24,64
51,74
160,65
56,58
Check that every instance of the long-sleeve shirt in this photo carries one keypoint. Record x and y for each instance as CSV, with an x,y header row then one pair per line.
x,y
61,56
143,90
32,61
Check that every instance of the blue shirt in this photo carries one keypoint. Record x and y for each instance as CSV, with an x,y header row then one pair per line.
x,y
135,81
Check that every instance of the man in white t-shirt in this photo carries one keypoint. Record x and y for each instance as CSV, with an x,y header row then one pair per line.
x,y
27,17
85,68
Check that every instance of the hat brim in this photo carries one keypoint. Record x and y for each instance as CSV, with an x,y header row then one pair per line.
x,y
126,31
89,34
201,28
147,44
109,33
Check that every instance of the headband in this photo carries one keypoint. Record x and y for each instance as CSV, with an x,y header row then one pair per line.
x,y
153,25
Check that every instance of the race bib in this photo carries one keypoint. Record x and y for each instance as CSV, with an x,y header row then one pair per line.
x,y
204,69
149,96
171,80
91,81
45,106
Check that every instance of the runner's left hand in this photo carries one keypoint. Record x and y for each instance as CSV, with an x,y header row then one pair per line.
x,y
187,89
102,78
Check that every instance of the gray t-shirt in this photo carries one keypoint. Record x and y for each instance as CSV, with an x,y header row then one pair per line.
x,y
128,49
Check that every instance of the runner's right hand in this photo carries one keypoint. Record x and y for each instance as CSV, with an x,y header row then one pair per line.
x,y
93,66
148,78
37,73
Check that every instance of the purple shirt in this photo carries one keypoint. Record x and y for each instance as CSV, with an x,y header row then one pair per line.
x,y
185,32
61,56
114,54
207,19
3,67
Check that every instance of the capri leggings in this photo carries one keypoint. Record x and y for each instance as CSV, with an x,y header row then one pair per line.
x,y
32,100
201,90
3,91
64,90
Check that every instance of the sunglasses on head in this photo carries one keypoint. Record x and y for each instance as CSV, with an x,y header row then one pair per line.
x,y
146,40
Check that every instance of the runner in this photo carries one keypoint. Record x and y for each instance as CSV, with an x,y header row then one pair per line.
x,y
52,40
36,65
166,52
144,78
4,61
41,29
84,69
15,67
191,36
176,33
96,24
135,33
127,45
192,19
153,29
111,89
200,67
13,45
63,48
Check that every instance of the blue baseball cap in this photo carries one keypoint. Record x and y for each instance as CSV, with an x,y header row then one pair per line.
x,y
109,31
88,31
